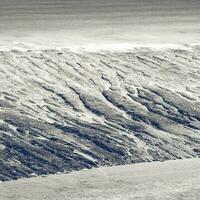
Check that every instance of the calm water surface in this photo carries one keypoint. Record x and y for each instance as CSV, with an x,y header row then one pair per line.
x,y
67,22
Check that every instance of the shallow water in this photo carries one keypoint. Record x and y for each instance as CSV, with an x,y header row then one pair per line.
x,y
80,22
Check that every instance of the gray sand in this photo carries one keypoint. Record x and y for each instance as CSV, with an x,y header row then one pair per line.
x,y
171,180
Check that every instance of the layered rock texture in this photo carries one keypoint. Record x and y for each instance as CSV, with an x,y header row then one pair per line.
x,y
62,111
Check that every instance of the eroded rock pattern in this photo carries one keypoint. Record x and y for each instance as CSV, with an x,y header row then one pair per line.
x,y
63,111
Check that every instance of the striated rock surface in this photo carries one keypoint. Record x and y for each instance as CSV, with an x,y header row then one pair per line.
x,y
62,110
